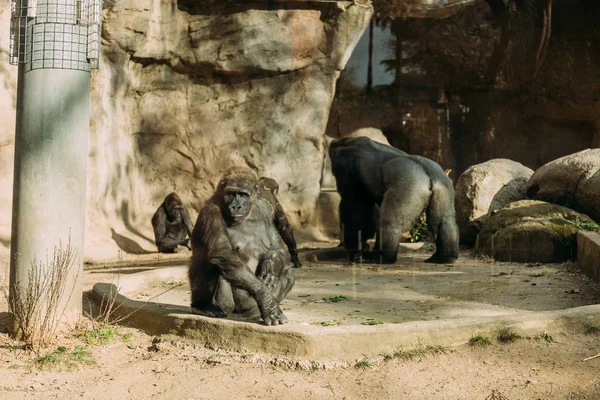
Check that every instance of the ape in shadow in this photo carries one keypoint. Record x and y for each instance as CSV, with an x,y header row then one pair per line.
x,y
239,265
383,184
268,188
172,225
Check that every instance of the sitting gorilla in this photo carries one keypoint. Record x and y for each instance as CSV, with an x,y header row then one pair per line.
x,y
268,188
239,266
380,183
172,225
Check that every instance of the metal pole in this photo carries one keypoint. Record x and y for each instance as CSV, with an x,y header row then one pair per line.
x,y
51,148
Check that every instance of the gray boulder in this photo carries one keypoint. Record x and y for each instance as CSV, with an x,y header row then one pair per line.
x,y
484,188
531,231
572,181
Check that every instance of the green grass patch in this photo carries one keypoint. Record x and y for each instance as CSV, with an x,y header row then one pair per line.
x,y
416,352
334,299
592,329
545,336
585,225
479,340
372,323
506,335
333,322
64,357
363,364
101,335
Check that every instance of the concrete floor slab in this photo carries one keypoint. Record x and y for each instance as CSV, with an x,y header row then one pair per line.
x,y
344,311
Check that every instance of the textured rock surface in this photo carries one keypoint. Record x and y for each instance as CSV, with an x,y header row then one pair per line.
x,y
531,231
187,89
8,87
484,188
572,181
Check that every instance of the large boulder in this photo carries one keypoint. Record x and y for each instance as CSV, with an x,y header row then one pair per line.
x,y
372,133
484,188
532,231
572,181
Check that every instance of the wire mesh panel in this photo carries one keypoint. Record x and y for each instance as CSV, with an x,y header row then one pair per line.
x,y
62,34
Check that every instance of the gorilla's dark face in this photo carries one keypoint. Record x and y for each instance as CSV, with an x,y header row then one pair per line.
x,y
237,205
173,207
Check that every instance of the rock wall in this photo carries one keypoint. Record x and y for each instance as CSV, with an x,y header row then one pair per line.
x,y
8,88
187,89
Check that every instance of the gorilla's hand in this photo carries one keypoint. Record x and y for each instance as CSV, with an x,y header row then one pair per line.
x,y
271,268
269,309
267,274
181,249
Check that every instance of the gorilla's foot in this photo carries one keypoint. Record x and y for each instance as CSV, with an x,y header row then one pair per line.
x,y
376,257
249,315
276,318
296,261
357,257
438,258
209,311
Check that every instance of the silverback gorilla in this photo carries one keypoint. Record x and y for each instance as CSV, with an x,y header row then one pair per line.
x,y
384,190
239,266
268,188
172,225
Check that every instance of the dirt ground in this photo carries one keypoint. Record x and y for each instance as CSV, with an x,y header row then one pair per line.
x,y
124,363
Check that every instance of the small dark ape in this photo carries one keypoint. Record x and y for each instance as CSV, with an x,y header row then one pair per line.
x,y
239,266
172,225
268,188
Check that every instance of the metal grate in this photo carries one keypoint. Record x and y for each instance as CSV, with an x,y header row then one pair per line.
x,y
62,34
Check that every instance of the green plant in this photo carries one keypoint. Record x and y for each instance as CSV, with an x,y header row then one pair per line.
x,y
334,299
592,329
62,356
506,335
416,352
545,336
99,335
479,340
420,232
363,364
585,225
333,322
372,323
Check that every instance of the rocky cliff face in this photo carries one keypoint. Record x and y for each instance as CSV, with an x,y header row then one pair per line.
x,y
186,90
8,88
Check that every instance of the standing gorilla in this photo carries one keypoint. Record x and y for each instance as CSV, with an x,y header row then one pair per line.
x,y
172,225
268,188
379,182
239,266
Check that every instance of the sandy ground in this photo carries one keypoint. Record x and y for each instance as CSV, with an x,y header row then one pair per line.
x,y
132,365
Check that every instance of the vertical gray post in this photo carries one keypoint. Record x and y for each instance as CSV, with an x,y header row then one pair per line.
x,y
51,45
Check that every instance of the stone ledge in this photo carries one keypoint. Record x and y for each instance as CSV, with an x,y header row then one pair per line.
x,y
316,342
588,253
